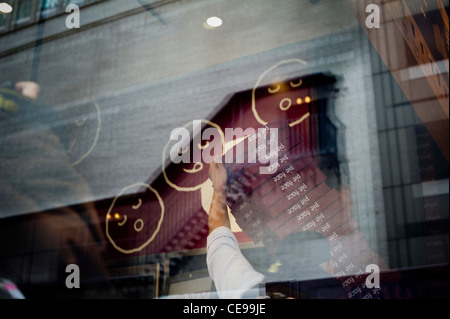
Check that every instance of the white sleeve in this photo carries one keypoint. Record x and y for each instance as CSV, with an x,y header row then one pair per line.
x,y
229,269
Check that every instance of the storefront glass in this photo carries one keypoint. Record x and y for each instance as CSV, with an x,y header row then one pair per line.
x,y
111,113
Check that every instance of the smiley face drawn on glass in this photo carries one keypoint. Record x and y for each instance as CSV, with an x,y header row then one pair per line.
x,y
284,97
84,133
196,174
133,221
185,177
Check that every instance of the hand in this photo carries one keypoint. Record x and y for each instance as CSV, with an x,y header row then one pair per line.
x,y
218,175
28,89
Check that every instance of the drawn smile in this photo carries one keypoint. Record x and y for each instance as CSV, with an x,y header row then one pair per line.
x,y
197,168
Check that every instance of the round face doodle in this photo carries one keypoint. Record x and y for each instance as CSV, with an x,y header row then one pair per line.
x,y
281,97
133,221
84,130
191,173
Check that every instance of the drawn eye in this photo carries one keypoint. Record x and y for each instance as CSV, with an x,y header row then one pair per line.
x,y
202,147
118,217
182,151
294,85
80,123
123,221
274,90
138,205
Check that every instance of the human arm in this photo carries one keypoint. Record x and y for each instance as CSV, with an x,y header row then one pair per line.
x,y
218,213
232,274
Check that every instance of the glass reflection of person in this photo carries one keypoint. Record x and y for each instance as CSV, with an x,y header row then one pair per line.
x,y
53,221
235,277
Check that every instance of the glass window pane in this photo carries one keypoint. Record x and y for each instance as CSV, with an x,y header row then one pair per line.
x,y
24,11
330,119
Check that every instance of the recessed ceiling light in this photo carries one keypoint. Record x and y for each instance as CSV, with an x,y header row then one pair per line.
x,y
5,7
213,22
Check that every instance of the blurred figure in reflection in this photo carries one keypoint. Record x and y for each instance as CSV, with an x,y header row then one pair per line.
x,y
51,222
300,256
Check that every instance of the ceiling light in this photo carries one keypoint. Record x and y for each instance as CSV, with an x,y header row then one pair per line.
x,y
213,22
5,7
